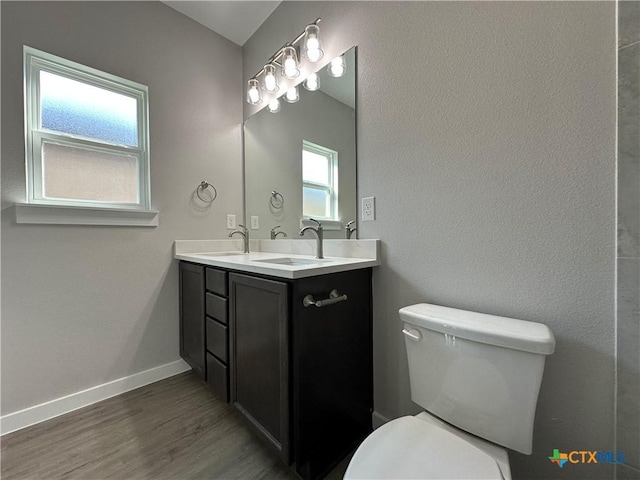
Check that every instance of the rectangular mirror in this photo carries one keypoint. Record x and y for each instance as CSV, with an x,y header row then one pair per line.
x,y
301,161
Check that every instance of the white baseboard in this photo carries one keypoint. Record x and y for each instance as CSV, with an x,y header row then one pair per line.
x,y
377,420
54,408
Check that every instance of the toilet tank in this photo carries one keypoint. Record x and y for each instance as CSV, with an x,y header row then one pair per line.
x,y
478,372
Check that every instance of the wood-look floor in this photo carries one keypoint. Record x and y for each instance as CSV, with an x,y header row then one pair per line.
x,y
172,429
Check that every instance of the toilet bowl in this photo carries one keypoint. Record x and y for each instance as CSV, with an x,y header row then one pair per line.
x,y
422,447
478,378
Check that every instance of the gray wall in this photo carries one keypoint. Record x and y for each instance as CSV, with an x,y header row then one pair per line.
x,y
628,374
86,305
273,159
486,131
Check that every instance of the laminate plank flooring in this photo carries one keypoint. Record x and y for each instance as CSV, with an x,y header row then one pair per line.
x,y
172,429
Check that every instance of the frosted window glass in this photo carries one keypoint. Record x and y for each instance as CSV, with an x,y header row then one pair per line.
x,y
315,168
315,202
84,174
75,108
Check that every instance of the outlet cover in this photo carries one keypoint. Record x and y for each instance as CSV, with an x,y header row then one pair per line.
x,y
255,222
231,221
368,209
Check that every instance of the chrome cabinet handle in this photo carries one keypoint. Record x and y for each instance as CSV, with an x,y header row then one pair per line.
x,y
334,297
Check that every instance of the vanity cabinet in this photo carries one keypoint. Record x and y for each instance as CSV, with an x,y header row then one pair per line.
x,y
300,375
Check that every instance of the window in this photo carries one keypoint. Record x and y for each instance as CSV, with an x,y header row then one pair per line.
x,y
86,136
319,182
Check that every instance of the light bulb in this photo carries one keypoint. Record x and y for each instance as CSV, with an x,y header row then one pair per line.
x,y
313,43
313,55
337,67
270,81
290,63
253,92
312,83
292,95
274,105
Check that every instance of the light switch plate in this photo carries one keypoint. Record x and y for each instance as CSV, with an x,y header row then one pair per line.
x,y
368,209
231,221
255,222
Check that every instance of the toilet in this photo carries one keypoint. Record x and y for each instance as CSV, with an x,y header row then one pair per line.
x,y
477,376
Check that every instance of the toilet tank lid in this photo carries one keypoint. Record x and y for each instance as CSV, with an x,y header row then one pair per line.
x,y
479,327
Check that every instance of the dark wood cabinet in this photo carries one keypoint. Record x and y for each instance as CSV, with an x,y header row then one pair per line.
x,y
332,376
217,332
260,357
204,337
192,343
301,375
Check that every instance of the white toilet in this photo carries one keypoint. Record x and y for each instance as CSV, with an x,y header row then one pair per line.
x,y
478,377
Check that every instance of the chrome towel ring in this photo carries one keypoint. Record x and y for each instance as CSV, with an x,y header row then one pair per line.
x,y
276,200
204,185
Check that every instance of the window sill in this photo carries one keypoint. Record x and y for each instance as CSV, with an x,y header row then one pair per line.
x,y
72,215
333,225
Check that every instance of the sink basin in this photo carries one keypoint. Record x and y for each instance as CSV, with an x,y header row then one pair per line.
x,y
218,254
292,261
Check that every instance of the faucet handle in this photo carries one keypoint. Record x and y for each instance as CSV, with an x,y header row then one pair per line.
x,y
242,227
350,223
274,228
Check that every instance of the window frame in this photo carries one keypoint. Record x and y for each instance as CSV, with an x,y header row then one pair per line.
x,y
332,188
35,61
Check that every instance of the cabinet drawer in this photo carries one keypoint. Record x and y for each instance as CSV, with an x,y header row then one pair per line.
x,y
218,378
217,281
217,339
216,307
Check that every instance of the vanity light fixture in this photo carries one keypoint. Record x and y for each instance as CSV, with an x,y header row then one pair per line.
x,y
286,58
292,95
312,82
337,67
270,80
274,105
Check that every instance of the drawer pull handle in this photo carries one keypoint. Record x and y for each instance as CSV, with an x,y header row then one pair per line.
x,y
334,297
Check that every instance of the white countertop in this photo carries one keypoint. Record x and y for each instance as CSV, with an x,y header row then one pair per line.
x,y
225,254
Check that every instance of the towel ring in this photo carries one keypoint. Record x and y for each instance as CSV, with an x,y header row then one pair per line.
x,y
203,186
276,200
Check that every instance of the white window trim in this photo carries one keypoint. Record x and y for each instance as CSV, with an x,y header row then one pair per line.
x,y
76,215
333,173
86,212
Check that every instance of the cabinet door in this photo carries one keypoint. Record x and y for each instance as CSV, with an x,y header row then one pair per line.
x,y
260,357
192,347
332,387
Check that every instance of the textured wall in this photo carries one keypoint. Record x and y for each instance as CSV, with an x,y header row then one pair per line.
x,y
486,131
86,305
628,413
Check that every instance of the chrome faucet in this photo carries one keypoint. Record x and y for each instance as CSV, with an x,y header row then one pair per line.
x,y
318,231
245,236
348,229
275,234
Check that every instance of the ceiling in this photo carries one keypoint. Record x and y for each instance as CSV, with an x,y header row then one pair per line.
x,y
234,20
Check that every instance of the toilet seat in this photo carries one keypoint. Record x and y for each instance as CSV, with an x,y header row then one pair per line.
x,y
410,448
